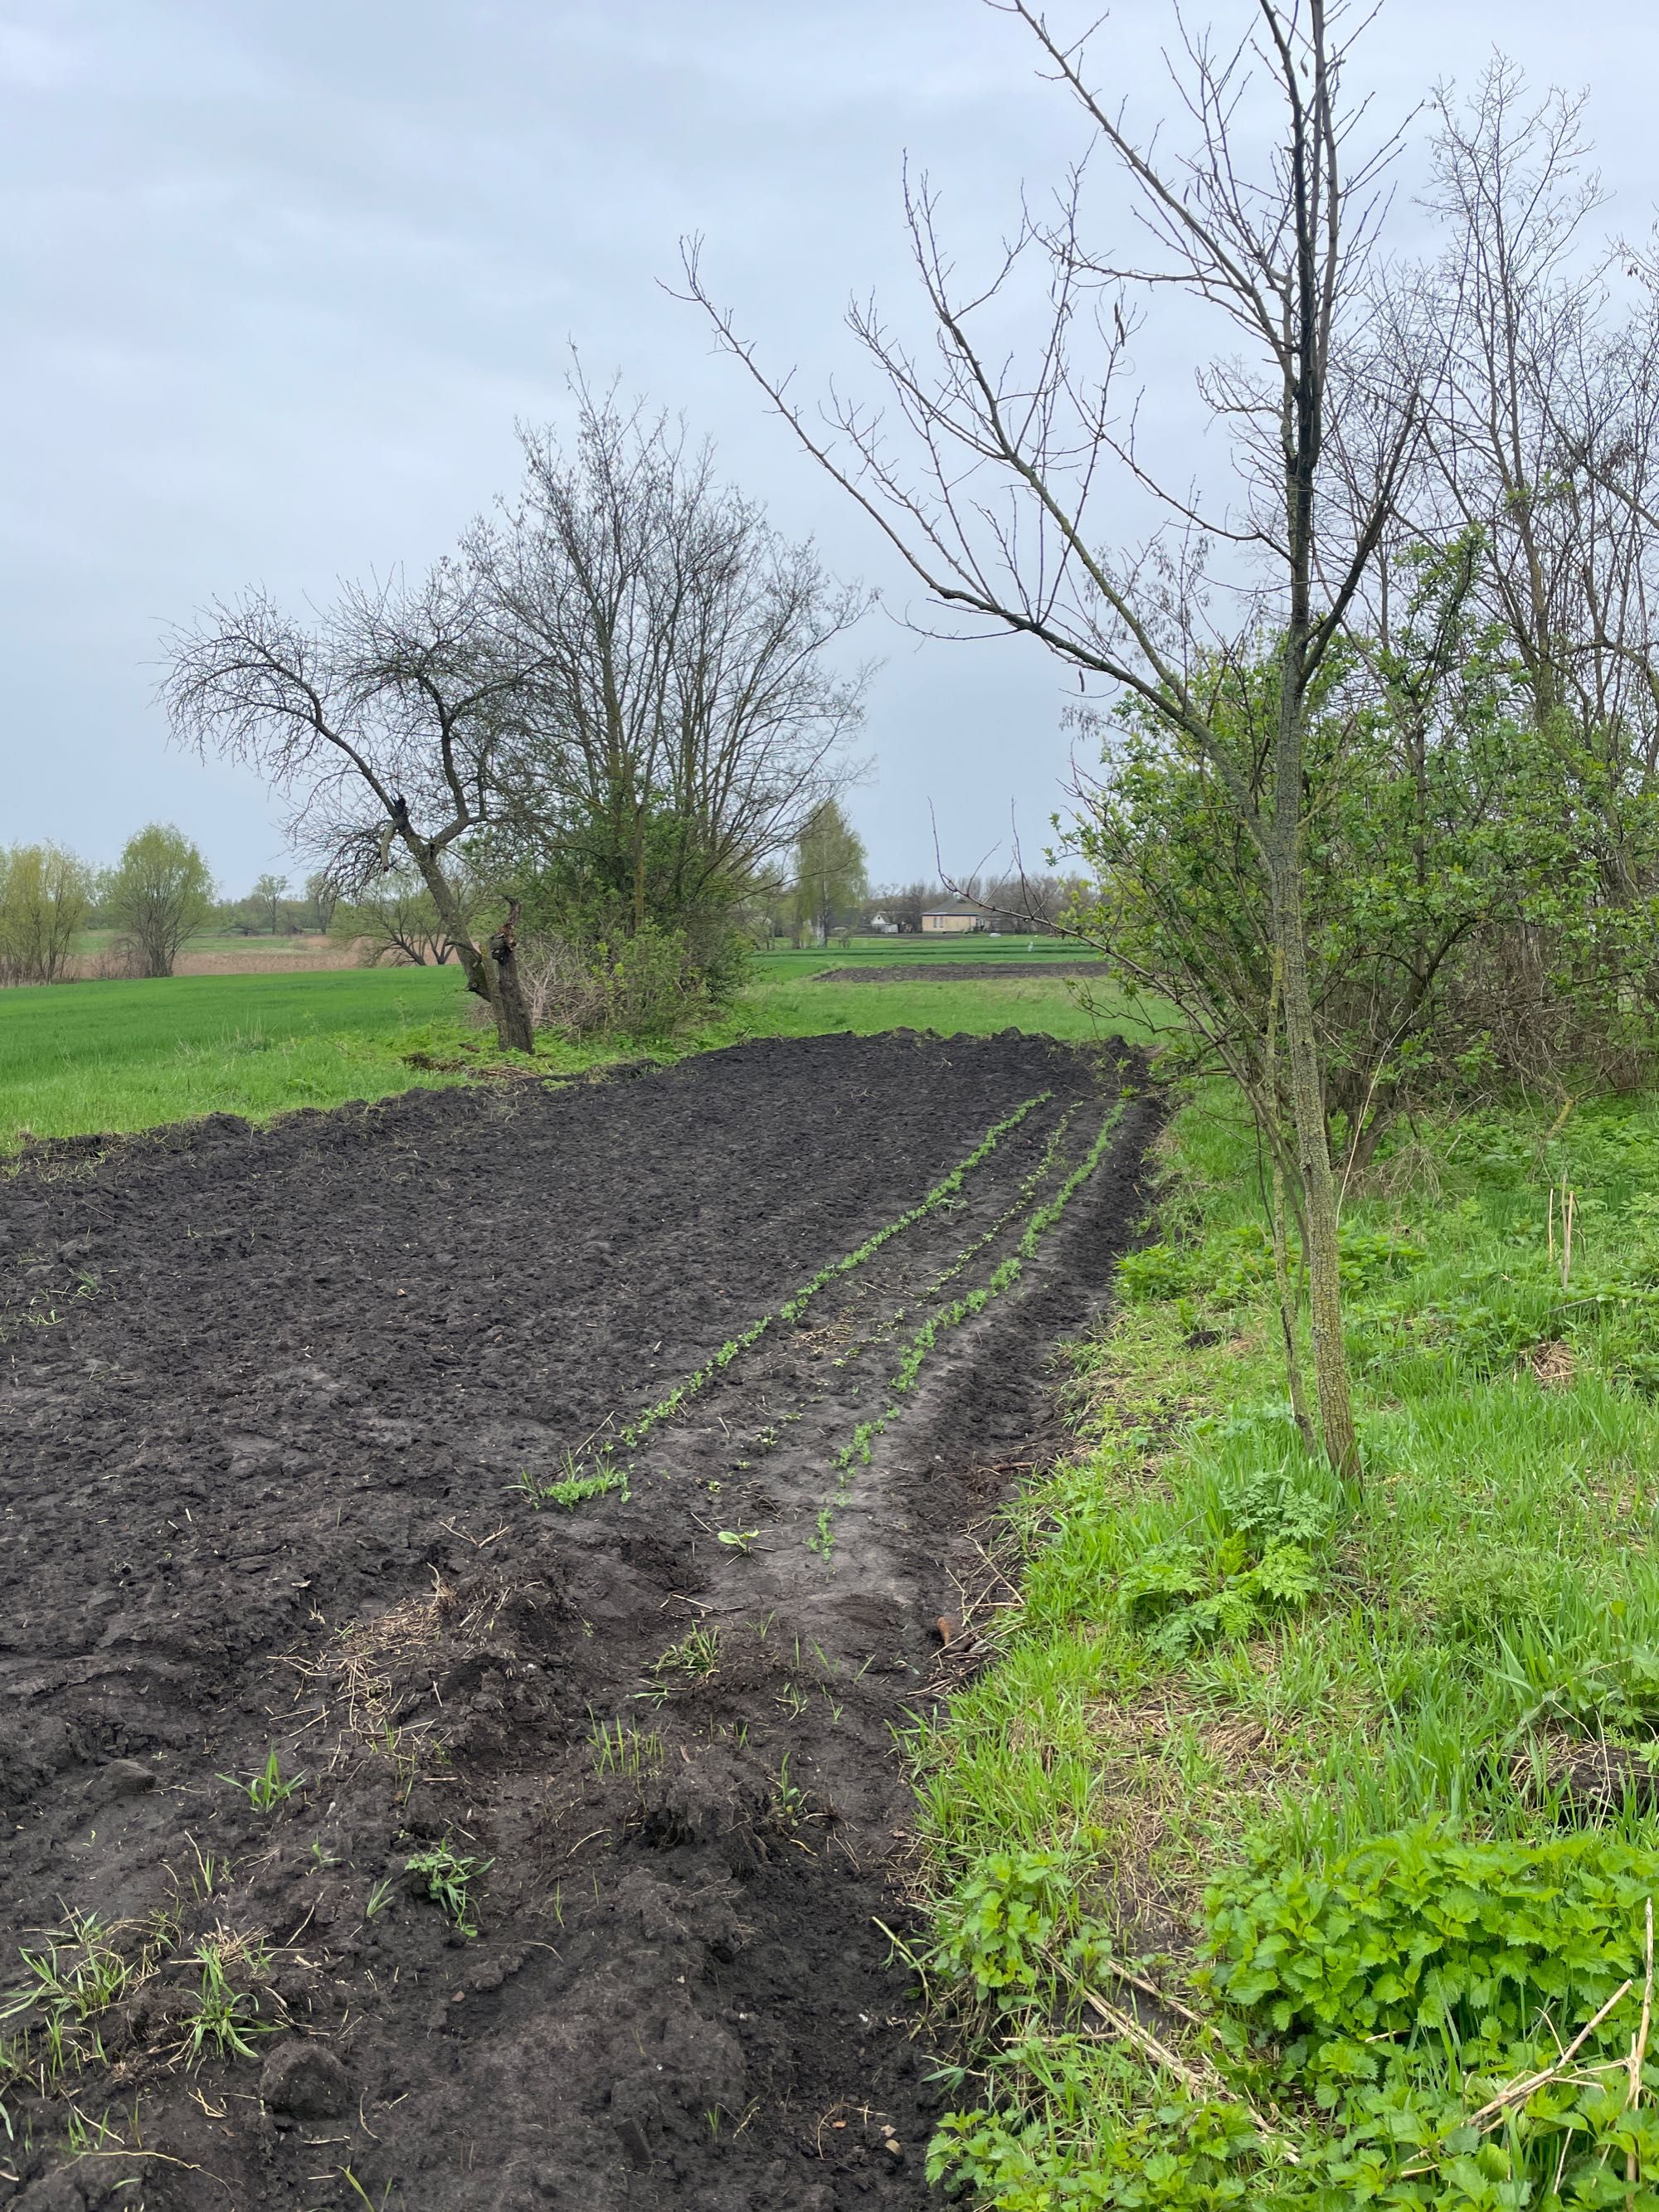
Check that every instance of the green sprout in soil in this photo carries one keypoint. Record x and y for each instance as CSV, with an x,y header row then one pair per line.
x,y
941,1194
449,1876
269,1788
576,1485
740,1539
224,2018
625,1750
788,1802
692,1659
363,2195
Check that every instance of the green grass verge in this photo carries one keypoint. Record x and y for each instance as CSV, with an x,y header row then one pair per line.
x,y
76,1058
1366,1791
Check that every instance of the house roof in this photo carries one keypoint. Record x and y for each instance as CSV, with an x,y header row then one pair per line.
x,y
957,906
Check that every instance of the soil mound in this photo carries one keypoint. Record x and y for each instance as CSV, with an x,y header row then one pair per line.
x,y
947,969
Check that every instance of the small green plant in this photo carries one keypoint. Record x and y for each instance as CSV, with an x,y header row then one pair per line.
x,y
576,1485
269,1788
739,1540
692,1659
1000,1920
822,1539
1265,1566
626,1752
72,1982
449,1875
363,2195
789,1811
224,2018
379,1898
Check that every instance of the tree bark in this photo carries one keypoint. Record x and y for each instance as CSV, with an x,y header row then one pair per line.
x,y
1287,1304
493,973
1319,1201
513,1028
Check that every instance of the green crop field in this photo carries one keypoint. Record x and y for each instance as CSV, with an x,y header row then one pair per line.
x,y
76,1057
81,1057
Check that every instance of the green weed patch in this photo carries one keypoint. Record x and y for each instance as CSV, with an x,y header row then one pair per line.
x,y
1361,1795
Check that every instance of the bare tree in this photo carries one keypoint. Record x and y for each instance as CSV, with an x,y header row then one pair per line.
x,y
1542,444
992,493
1515,313
381,724
685,716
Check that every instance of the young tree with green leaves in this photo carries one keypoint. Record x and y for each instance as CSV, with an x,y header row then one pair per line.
x,y
830,880
45,895
269,891
160,896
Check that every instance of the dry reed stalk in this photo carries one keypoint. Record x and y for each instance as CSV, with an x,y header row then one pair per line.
x,y
1518,2091
1638,2051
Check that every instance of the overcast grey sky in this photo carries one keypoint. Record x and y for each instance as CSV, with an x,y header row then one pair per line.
x,y
280,275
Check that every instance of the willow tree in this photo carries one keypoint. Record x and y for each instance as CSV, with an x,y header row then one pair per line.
x,y
381,723
989,466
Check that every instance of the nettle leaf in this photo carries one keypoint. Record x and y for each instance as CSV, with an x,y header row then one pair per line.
x,y
1403,1981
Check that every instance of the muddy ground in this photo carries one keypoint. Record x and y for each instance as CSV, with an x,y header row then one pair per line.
x,y
269,1405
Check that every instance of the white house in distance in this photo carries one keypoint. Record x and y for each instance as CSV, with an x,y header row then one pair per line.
x,y
954,919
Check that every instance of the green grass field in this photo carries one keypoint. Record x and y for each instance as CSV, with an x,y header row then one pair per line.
x,y
76,1057
81,1057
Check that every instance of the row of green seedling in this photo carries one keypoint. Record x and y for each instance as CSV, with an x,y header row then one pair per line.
x,y
1007,1272
792,1309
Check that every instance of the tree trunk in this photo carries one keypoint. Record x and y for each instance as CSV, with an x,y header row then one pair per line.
x,y
1319,1202
513,1028
493,973
1287,1304
1305,1427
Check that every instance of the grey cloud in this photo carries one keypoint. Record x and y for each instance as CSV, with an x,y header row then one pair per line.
x,y
281,275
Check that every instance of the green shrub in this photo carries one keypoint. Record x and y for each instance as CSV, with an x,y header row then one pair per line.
x,y
1195,2156
1000,1920
1405,1985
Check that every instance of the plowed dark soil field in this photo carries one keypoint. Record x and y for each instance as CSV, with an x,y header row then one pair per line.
x,y
562,1490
